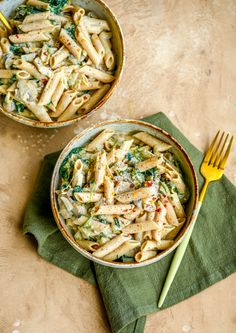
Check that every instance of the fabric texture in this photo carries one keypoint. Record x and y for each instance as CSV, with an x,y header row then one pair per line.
x,y
129,295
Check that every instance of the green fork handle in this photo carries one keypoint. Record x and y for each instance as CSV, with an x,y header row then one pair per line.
x,y
179,253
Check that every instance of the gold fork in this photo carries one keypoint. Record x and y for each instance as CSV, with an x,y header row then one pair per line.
x,y
5,22
212,168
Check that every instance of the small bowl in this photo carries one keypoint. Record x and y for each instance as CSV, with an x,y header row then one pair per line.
x,y
103,11
128,126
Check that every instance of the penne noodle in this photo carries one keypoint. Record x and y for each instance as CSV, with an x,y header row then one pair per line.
x,y
93,85
5,45
99,141
178,208
121,250
64,102
7,73
87,196
152,141
88,245
98,45
113,209
96,74
145,255
77,178
28,67
36,25
95,98
94,25
141,193
100,169
139,227
74,107
109,56
110,246
39,111
87,46
36,17
59,56
80,12
131,216
170,213
109,190
57,94
171,234
147,164
35,36
41,68
50,89
38,3
117,155
70,44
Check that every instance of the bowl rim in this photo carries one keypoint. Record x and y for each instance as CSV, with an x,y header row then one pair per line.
x,y
57,217
118,76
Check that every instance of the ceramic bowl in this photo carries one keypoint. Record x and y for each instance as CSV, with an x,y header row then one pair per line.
x,y
128,126
103,11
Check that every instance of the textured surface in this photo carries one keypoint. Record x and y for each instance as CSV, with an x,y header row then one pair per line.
x,y
180,60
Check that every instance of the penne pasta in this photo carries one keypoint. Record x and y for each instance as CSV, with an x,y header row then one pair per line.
x,y
98,45
88,245
36,17
139,227
99,141
88,197
96,74
152,141
94,25
95,98
144,255
110,246
50,89
141,193
36,36
38,3
100,169
70,44
87,46
147,164
113,209
64,102
109,190
121,250
59,56
36,25
28,67
74,107
109,58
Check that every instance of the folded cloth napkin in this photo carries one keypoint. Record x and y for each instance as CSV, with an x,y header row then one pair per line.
x,y
130,294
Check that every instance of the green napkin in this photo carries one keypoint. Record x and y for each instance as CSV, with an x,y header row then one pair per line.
x,y
129,295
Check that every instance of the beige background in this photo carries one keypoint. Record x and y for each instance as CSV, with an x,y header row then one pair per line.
x,y
180,60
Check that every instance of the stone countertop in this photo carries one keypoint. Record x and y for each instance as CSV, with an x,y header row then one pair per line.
x,y
181,61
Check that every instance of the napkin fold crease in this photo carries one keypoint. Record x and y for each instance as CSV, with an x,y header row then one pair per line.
x,y
130,294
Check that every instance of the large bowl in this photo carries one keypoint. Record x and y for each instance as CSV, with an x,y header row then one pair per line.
x,y
103,11
128,126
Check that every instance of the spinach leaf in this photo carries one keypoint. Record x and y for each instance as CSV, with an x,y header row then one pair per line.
x,y
12,80
71,30
102,220
1,83
23,10
77,189
125,259
19,106
17,49
117,223
56,5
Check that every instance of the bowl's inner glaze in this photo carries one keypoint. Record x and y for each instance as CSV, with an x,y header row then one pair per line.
x,y
133,126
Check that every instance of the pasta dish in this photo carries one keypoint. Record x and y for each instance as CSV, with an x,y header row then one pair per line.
x,y
57,64
123,196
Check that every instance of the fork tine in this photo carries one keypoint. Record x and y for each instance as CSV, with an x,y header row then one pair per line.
x,y
210,150
225,158
217,162
215,152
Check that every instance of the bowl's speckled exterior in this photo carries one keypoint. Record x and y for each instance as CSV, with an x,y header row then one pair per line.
x,y
103,11
124,126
